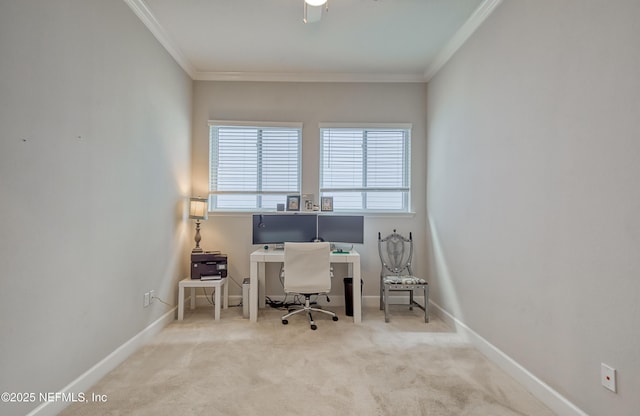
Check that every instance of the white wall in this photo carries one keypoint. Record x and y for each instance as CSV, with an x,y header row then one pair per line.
x,y
309,103
95,126
533,193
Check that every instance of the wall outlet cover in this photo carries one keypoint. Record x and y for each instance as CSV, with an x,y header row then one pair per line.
x,y
608,377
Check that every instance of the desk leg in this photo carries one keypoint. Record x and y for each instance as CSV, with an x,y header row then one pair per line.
x,y
262,287
217,303
193,298
253,291
225,301
180,302
357,293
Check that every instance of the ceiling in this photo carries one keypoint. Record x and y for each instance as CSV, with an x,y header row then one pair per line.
x,y
355,40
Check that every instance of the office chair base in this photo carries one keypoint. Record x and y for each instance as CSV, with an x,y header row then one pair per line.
x,y
308,309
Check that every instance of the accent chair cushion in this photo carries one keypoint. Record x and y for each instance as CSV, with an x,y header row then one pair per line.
x,y
403,280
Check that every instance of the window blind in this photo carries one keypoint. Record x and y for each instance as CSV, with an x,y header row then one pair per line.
x,y
365,169
253,167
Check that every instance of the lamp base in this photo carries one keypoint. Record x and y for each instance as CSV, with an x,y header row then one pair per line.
x,y
197,238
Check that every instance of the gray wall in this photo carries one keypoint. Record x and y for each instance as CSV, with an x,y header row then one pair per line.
x,y
533,193
95,126
310,104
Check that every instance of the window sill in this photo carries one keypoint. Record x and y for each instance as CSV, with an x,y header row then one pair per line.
x,y
363,213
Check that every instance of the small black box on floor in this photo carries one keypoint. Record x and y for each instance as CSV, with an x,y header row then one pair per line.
x,y
208,265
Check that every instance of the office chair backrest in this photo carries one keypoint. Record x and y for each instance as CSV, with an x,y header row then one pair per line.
x,y
395,254
307,267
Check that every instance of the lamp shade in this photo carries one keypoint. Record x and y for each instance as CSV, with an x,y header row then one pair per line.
x,y
198,208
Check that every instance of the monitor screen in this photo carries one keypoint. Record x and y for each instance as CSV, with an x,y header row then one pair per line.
x,y
282,228
341,228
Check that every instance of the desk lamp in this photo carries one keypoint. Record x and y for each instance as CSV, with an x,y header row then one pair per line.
x,y
198,210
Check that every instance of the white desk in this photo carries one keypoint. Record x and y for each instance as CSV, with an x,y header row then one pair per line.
x,y
193,284
257,278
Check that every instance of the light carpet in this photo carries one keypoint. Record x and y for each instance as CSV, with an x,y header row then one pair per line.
x,y
233,367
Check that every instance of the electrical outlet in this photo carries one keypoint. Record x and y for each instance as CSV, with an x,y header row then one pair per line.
x,y
608,377
146,300
152,296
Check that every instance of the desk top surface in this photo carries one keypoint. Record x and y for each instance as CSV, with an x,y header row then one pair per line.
x,y
271,255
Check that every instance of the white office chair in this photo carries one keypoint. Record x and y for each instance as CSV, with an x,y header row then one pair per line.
x,y
307,271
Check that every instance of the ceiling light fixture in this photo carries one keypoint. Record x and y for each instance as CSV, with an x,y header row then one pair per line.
x,y
313,10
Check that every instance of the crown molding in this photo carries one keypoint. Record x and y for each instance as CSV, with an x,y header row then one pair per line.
x,y
461,36
308,77
141,10
483,11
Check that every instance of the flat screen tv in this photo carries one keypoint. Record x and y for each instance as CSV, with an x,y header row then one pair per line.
x,y
341,228
283,228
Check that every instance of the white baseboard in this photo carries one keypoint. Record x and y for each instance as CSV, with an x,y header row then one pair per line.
x,y
202,300
554,400
111,361
336,300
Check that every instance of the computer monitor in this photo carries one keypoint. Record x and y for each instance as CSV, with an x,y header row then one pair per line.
x,y
283,228
341,228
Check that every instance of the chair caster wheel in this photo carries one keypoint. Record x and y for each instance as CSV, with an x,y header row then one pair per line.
x,y
284,322
335,318
314,327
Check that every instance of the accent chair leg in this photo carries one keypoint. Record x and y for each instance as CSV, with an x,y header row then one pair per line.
x,y
386,303
426,304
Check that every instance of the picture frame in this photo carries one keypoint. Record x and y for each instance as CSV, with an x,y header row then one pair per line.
x,y
307,202
326,203
293,202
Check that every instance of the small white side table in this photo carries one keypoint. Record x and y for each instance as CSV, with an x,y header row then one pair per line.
x,y
193,284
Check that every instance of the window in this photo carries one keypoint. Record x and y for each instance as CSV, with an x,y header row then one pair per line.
x,y
366,168
253,167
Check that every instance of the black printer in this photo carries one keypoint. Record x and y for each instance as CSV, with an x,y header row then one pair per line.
x,y
208,265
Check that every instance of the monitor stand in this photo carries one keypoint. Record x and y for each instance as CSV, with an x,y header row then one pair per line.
x,y
341,248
